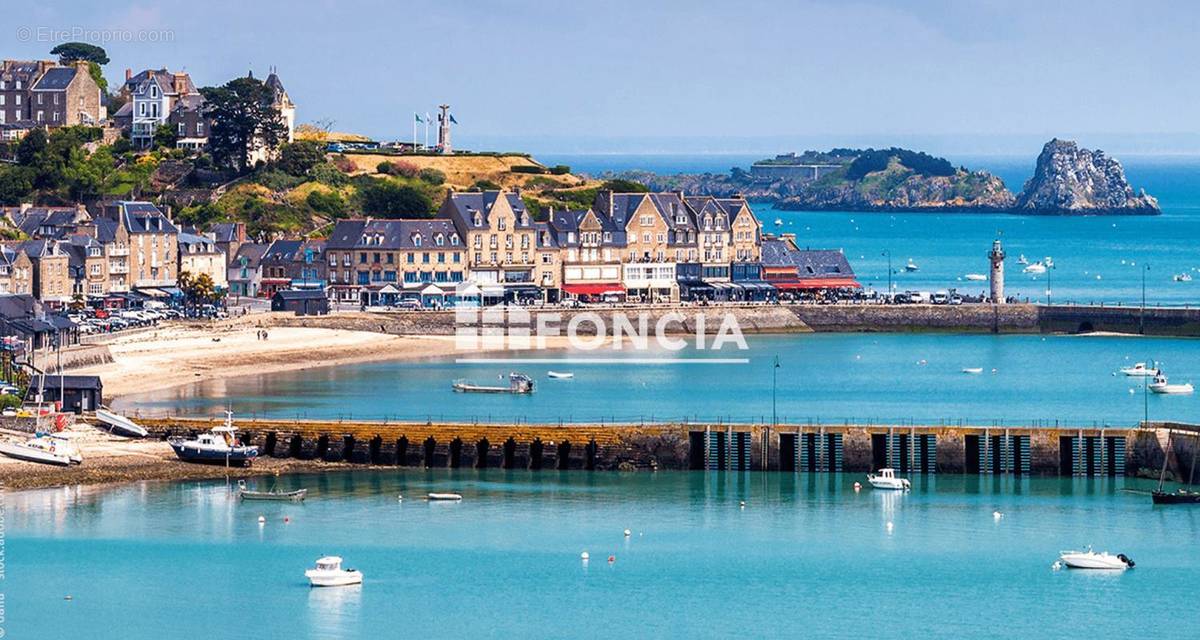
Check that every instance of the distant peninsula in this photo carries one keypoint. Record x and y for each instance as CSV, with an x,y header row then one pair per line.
x,y
1069,180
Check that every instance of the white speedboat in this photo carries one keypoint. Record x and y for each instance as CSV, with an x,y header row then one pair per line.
x,y
560,375
1160,385
886,479
1048,261
1140,369
64,445
779,222
219,445
39,449
443,497
1036,267
1091,560
329,573
911,266
1022,260
1182,277
120,425
973,370
975,277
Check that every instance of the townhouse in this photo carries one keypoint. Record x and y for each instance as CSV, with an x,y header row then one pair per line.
x,y
199,254
87,265
590,247
501,241
245,269
275,267
157,97
381,262
50,267
16,271
44,93
145,244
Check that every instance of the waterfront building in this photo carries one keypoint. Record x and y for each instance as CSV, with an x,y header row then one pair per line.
x,y
548,272
648,258
307,270
245,269
276,266
501,242
302,302
229,237
78,394
589,247
792,270
50,266
43,93
199,254
382,262
88,266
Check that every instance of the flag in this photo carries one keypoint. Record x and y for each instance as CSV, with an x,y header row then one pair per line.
x,y
418,117
452,119
428,118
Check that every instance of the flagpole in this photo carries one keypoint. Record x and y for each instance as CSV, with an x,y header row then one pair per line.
x,y
414,132
427,131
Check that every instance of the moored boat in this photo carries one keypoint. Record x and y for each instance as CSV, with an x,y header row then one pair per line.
x,y
1036,267
40,449
1160,385
1139,369
1091,560
120,425
1182,277
975,277
911,266
560,375
518,383
444,497
1181,496
218,446
886,479
282,496
973,370
328,572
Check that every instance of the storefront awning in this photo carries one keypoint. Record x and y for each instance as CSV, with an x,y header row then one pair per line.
x,y
492,290
593,289
468,290
812,284
432,290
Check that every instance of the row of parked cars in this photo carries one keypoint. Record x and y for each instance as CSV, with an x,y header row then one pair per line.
x,y
105,321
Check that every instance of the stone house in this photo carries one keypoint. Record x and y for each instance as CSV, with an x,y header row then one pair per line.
x,y
16,271
380,262
88,266
500,236
590,252
52,282
44,93
199,254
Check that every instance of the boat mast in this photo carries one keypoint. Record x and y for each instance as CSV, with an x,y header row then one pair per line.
x,y
1192,472
1162,475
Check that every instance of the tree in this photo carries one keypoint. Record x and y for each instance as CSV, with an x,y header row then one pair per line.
x,y
165,136
16,183
69,52
298,158
243,121
624,186
329,203
32,145
485,185
389,199
433,176
77,302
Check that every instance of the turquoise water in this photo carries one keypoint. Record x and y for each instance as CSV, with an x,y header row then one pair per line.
x,y
1097,259
806,557
822,377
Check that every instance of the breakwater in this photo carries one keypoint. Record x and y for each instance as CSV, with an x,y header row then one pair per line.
x,y
1033,450
973,318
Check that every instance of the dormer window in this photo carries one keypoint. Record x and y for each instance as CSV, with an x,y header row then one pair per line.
x,y
153,91
439,240
524,219
454,239
478,220
501,224
416,239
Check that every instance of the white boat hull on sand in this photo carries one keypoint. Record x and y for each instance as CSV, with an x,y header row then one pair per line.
x,y
121,425
33,454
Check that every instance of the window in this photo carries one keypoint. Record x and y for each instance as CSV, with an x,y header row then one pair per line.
x,y
364,277
439,240
457,258
391,258
424,258
662,237
40,96
375,257
182,129
454,239
646,237
441,258
416,239
200,129
362,257
333,259
501,224
478,220
411,258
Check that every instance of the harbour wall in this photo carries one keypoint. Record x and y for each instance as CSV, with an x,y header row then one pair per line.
x,y
719,447
967,318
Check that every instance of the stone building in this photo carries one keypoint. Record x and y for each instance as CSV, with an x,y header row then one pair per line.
x,y
45,93
16,271
199,254
500,237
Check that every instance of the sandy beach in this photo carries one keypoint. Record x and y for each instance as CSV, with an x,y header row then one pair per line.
x,y
180,354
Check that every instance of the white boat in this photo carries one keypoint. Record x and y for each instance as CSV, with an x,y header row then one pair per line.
x,y
39,449
1022,260
560,375
121,425
1182,277
64,445
910,265
1091,560
1139,369
973,370
1048,261
1036,267
779,222
1160,385
887,480
329,573
219,445
975,277
444,497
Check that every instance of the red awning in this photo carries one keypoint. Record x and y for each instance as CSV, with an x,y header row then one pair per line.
x,y
818,283
597,289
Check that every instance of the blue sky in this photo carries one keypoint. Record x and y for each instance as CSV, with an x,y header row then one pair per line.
x,y
684,75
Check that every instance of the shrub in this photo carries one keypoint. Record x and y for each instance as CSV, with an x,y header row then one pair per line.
x,y
432,176
277,180
344,164
390,199
300,157
330,203
560,169
485,185
398,168
327,173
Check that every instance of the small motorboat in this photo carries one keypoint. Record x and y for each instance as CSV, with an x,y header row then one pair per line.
x,y
218,446
283,496
41,449
66,447
975,277
1160,385
1139,369
779,222
1182,277
329,573
886,479
973,370
1048,261
911,266
444,497
1182,496
1022,260
1091,560
518,383
1036,267
120,425
560,375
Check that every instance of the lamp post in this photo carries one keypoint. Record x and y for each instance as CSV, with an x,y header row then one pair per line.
x,y
888,253
1142,316
774,386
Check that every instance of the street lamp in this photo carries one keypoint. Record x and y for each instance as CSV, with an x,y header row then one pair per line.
x,y
774,386
888,253
1142,316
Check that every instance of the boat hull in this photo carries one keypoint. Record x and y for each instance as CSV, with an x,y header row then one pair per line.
x,y
121,425
1177,497
284,496
29,454
1100,561
333,578
239,456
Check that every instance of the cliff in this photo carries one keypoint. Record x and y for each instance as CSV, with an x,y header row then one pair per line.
x,y
1071,180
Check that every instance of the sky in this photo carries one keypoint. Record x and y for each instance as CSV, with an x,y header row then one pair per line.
x,y
681,75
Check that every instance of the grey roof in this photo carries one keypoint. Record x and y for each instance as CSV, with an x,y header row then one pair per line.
x,y
106,229
19,305
274,84
809,263
69,382
224,231
53,220
392,234
252,252
207,244
23,70
282,251
55,79
190,102
463,207
300,294
144,217
165,80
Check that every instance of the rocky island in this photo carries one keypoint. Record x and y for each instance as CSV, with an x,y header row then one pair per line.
x,y
1069,180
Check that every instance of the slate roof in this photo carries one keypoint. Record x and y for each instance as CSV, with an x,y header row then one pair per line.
x,y
809,263
300,294
144,217
392,234
23,70
252,252
281,251
165,80
463,207
206,245
70,382
55,79
56,220
224,231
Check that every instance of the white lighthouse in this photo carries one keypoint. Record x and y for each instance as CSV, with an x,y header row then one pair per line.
x,y
996,256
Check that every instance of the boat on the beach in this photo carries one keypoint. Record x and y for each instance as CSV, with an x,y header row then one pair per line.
x,y
975,277
560,375
1036,267
219,445
1160,385
42,449
1139,369
886,479
1091,560
120,425
282,496
518,383
443,497
911,266
328,572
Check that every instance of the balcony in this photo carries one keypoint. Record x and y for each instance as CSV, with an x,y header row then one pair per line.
x,y
117,251
118,268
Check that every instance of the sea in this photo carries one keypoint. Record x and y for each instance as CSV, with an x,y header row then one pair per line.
x,y
708,554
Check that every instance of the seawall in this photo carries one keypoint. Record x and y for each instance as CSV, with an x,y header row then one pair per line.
x,y
724,447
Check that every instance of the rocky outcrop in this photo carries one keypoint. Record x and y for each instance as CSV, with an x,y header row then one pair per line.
x,y
1071,180
976,191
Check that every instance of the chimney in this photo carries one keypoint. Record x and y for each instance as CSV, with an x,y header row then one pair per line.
x,y
181,83
128,74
